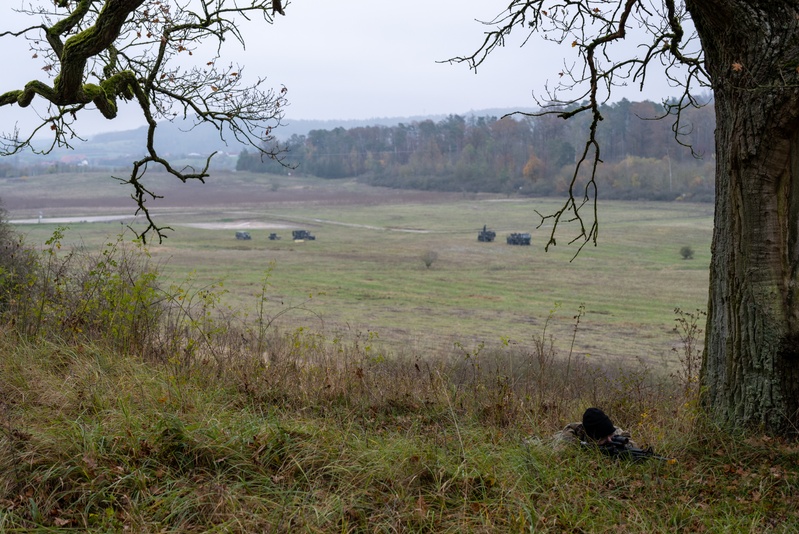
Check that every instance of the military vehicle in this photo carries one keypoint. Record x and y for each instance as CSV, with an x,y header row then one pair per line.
x,y
273,237
302,235
243,235
519,239
486,236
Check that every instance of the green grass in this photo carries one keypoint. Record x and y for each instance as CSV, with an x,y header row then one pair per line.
x,y
366,273
215,423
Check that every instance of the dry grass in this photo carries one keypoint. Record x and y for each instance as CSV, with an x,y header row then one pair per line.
x,y
328,437
211,423
134,402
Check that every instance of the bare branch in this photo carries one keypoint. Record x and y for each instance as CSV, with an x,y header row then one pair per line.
x,y
99,53
594,28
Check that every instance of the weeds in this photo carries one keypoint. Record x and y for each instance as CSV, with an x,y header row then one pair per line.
x,y
688,329
17,263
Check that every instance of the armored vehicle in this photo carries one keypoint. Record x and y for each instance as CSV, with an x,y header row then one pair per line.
x,y
273,237
302,235
243,235
519,239
486,235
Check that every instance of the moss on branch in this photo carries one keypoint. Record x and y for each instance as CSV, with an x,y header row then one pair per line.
x,y
23,97
68,87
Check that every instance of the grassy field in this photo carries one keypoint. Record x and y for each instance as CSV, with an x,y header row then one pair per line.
x,y
119,413
365,270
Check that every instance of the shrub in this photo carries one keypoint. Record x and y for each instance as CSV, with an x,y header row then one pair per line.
x,y
16,264
687,253
429,258
110,296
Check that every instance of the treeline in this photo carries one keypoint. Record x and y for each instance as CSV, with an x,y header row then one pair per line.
x,y
516,155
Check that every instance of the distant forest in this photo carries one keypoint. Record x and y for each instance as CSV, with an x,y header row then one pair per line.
x,y
516,154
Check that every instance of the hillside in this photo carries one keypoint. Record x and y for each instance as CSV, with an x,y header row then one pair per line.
x,y
179,138
477,152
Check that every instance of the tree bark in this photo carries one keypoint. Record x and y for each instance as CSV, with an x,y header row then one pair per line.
x,y
78,49
750,371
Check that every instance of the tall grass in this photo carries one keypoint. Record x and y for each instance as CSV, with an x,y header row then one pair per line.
x,y
127,406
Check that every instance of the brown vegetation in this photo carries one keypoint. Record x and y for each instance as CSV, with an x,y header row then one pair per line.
x,y
125,405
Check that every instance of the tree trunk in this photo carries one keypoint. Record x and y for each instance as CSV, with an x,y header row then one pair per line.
x,y
750,370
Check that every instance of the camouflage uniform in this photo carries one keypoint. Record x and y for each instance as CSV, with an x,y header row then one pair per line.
x,y
574,434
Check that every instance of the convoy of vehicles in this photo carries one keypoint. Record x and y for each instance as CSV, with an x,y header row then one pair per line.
x,y
484,236
516,238
297,235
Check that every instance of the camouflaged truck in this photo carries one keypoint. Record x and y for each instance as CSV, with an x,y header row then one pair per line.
x,y
302,235
519,239
486,235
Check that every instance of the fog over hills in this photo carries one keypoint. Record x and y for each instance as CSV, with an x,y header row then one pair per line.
x,y
178,138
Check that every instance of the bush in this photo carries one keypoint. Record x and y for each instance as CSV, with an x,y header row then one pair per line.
x,y
687,253
429,258
111,296
16,264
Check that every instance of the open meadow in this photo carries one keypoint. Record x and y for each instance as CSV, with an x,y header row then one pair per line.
x,y
430,403
365,273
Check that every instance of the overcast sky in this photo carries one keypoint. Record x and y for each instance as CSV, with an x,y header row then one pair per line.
x,y
360,59
378,58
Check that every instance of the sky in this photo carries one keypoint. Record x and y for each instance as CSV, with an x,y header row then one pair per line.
x,y
362,59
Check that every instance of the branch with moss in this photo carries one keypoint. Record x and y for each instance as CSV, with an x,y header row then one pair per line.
x,y
103,52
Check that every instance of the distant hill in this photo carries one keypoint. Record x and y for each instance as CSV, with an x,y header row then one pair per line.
x,y
179,137
302,126
178,140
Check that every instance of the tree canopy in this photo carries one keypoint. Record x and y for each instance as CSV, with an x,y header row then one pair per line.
x,y
531,156
165,57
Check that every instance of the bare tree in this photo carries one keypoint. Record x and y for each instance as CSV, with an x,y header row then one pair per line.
x,y
747,53
164,55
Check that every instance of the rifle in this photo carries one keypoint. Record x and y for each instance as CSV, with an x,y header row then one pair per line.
x,y
619,447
